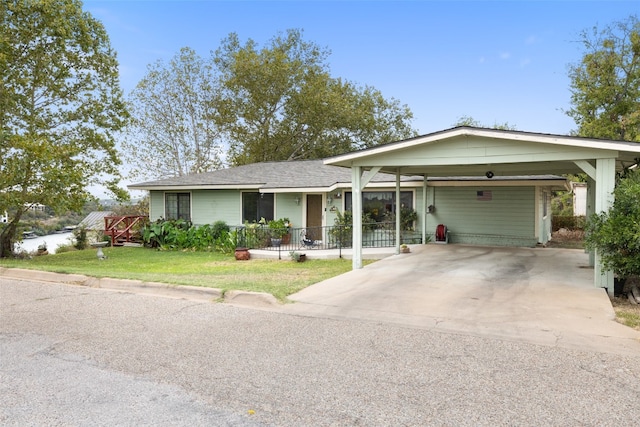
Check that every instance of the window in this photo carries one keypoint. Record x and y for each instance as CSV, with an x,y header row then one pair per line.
x,y
380,203
177,206
256,206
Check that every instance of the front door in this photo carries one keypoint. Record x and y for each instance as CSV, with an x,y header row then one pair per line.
x,y
314,216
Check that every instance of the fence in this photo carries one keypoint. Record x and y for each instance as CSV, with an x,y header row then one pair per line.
x,y
374,235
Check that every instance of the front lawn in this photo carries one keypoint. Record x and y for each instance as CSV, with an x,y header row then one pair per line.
x,y
210,269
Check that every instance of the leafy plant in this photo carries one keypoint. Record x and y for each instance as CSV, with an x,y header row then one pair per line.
x,y
219,229
277,228
82,239
616,233
342,232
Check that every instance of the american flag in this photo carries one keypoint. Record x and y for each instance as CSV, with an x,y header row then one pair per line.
x,y
484,195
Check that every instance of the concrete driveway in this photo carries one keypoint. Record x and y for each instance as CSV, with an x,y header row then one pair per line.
x,y
540,295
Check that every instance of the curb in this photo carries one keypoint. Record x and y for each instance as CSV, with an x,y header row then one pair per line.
x,y
245,298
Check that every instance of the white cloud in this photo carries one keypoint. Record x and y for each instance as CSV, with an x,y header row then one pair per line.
x,y
505,55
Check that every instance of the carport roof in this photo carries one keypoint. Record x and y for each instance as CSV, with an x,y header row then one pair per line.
x,y
473,151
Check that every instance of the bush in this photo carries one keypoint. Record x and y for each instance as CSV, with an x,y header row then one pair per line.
x,y
82,239
219,229
180,235
616,233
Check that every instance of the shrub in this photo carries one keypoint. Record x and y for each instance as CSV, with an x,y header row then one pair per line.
x,y
616,233
82,240
219,229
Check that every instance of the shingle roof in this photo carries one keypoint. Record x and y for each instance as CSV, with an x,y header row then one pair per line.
x,y
293,174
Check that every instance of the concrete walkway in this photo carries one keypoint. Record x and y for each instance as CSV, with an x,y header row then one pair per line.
x,y
539,295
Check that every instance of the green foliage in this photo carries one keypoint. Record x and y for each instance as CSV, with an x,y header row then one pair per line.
x,y
408,217
219,229
605,84
616,233
278,228
253,235
182,235
342,232
562,204
173,130
280,103
140,208
60,105
195,269
82,239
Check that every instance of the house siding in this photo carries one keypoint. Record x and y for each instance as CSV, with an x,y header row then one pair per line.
x,y
209,206
156,205
508,219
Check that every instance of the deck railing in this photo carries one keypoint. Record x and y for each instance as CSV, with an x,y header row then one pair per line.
x,y
121,228
374,235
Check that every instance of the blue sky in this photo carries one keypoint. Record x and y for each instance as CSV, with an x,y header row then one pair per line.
x,y
496,61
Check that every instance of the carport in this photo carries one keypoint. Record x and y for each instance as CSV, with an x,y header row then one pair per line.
x,y
468,151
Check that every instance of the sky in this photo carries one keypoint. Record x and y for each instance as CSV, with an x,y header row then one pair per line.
x,y
494,61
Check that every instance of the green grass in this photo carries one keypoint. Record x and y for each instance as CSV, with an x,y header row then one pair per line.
x,y
629,319
626,313
277,277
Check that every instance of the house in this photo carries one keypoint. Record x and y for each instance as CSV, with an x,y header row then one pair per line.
x,y
508,211
488,186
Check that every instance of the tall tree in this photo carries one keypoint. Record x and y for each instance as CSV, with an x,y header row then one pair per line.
x,y
280,103
605,84
60,104
173,107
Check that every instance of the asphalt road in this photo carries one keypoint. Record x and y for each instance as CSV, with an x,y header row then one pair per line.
x,y
77,356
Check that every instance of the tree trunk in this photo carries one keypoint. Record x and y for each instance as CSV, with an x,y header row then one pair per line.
x,y
7,237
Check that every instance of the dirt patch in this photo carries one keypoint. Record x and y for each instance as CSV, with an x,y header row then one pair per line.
x,y
567,239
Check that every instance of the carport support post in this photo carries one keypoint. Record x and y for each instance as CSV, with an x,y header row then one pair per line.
x,y
605,184
591,209
398,211
356,203
424,210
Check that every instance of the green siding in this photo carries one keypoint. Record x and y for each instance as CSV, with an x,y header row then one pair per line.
x,y
209,206
467,150
508,219
286,207
156,205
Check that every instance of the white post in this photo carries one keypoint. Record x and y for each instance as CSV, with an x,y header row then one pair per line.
x,y
398,212
424,210
591,208
356,203
605,184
